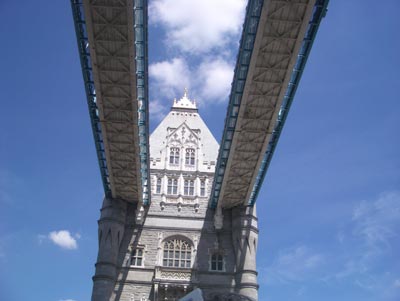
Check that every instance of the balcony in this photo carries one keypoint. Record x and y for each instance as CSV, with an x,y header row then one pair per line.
x,y
166,275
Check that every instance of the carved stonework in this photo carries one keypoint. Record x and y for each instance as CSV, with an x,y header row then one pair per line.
x,y
170,275
183,200
183,136
180,202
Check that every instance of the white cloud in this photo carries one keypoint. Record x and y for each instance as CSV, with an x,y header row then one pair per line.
x,y
350,267
202,44
66,300
41,238
396,283
170,77
209,82
64,239
370,245
158,110
368,282
215,78
294,265
198,26
375,222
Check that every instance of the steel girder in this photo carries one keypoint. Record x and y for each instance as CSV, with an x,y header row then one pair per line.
x,y
276,40
112,42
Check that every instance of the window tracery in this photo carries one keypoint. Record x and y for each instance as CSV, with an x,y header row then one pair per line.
x,y
177,253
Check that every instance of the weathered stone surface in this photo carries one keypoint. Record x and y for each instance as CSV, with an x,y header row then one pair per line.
x,y
178,216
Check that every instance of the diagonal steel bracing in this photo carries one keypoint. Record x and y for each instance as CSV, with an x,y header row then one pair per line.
x,y
277,37
112,42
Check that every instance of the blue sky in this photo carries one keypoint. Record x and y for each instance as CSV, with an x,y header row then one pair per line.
x,y
329,208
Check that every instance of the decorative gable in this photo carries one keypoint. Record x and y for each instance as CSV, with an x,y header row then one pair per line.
x,y
183,136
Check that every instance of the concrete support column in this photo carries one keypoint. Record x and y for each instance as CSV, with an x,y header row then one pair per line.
x,y
245,240
111,231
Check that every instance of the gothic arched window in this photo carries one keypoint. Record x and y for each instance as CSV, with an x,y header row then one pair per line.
x,y
177,253
190,156
174,155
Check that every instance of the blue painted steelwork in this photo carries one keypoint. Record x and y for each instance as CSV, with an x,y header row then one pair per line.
x,y
86,64
319,11
141,58
253,13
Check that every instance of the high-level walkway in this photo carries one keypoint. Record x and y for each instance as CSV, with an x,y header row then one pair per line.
x,y
276,40
112,39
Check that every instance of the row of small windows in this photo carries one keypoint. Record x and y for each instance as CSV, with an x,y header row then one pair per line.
x,y
177,253
190,156
188,186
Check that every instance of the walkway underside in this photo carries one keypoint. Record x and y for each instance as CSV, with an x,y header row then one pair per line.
x,y
117,47
281,29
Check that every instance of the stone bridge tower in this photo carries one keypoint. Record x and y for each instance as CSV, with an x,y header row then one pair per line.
x,y
176,247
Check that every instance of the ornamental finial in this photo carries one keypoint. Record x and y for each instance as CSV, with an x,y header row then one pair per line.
x,y
185,102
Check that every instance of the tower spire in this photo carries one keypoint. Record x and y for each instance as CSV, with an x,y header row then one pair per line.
x,y
184,102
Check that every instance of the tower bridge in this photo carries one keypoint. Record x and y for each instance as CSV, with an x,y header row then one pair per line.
x,y
178,213
112,45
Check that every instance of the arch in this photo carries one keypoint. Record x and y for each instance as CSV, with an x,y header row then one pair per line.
x,y
179,236
177,252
